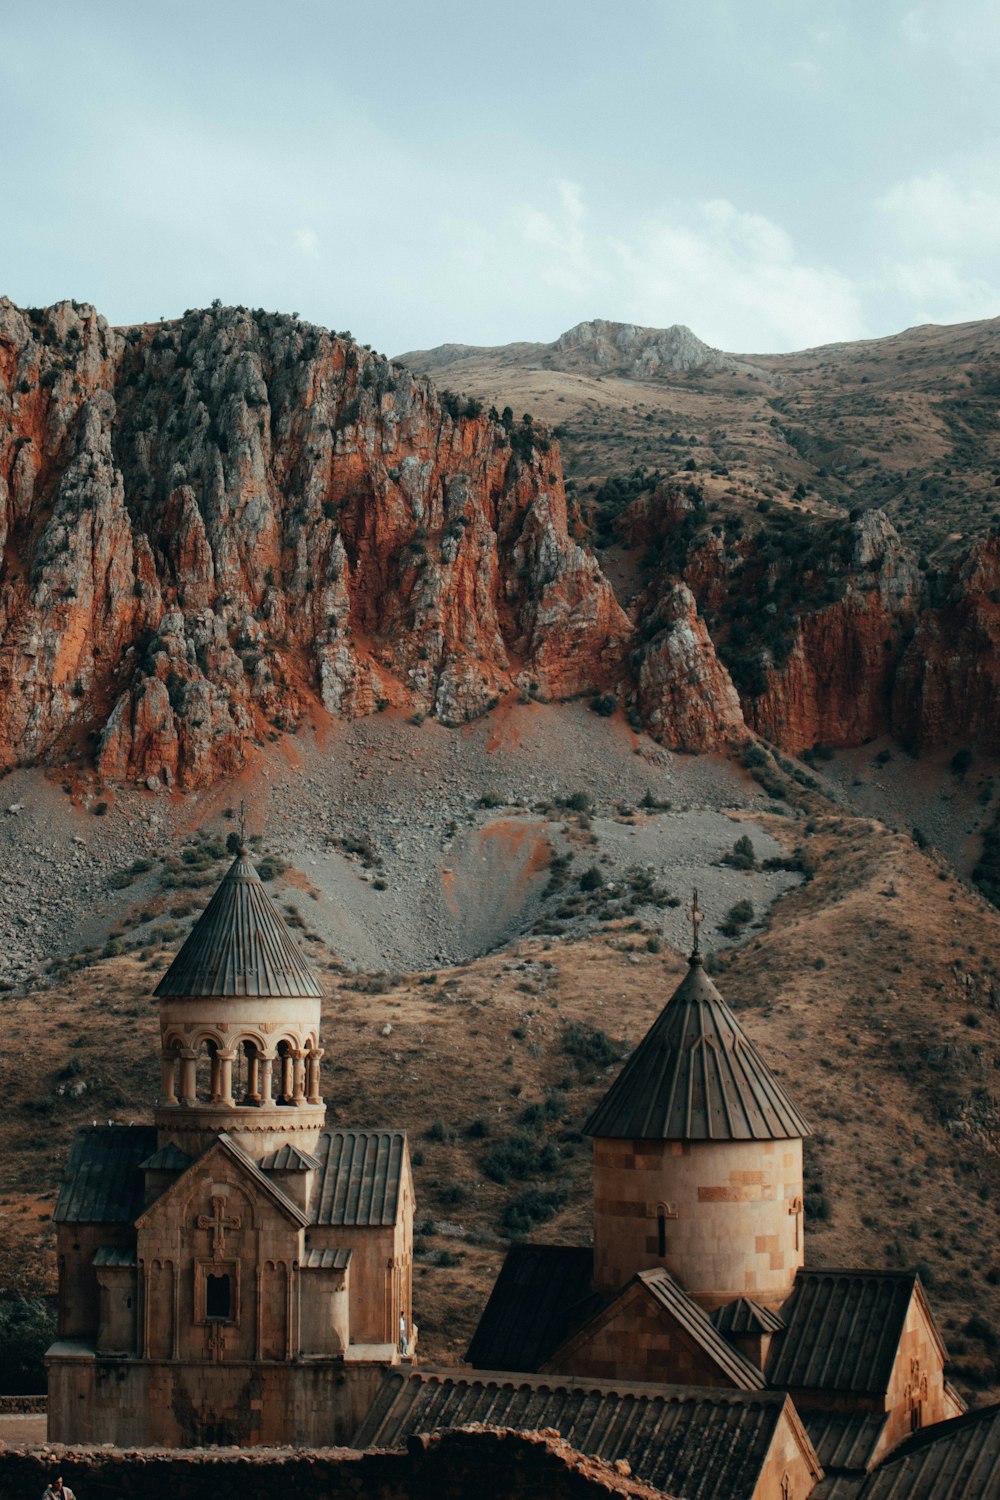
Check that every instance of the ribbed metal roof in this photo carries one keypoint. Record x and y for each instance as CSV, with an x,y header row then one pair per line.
x,y
954,1460
696,1076
845,1440
114,1255
697,1324
744,1316
326,1260
362,1172
169,1158
240,945
103,1181
842,1331
838,1487
289,1159
683,1440
542,1295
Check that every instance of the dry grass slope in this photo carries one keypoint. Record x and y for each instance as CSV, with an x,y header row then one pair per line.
x,y
873,991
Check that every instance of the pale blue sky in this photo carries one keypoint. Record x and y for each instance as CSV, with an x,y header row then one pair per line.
x,y
774,173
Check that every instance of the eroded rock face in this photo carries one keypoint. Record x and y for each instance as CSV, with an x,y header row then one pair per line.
x,y
207,526
948,684
683,688
213,528
835,686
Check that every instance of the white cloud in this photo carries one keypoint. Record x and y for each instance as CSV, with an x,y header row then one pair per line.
x,y
946,212
734,277
938,291
569,264
968,35
943,242
307,242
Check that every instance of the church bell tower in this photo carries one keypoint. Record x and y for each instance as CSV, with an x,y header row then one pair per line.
x,y
239,1028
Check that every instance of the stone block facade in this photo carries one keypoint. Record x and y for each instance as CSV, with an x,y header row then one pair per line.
x,y
491,1465
633,1341
723,1217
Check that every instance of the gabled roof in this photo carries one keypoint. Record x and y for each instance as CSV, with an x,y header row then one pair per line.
x,y
684,1440
845,1440
696,1076
114,1255
103,1181
843,1330
362,1172
954,1460
680,1311
543,1293
240,945
289,1159
225,1145
326,1260
744,1316
693,1318
169,1158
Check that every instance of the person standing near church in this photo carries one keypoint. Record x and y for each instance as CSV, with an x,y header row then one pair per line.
x,y
58,1491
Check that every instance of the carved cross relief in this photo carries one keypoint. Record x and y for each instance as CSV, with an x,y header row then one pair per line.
x,y
218,1223
795,1207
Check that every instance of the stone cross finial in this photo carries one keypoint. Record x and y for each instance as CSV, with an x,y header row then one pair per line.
x,y
697,917
243,823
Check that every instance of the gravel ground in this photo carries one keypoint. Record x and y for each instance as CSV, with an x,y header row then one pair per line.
x,y
459,878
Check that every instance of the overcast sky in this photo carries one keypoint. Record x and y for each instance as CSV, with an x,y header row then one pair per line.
x,y
773,173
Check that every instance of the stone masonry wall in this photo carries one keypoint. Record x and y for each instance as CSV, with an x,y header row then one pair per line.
x,y
731,1228
493,1465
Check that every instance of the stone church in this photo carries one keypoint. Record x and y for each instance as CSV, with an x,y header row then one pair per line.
x,y
236,1272
689,1339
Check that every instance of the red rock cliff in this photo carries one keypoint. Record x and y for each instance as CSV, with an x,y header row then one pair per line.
x,y
208,524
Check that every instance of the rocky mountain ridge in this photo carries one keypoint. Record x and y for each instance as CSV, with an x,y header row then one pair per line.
x,y
598,344
214,529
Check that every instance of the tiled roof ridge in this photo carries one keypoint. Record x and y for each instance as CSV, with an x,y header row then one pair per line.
x,y
722,1395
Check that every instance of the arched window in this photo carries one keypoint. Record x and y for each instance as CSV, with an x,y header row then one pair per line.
x,y
247,1073
207,1075
286,1073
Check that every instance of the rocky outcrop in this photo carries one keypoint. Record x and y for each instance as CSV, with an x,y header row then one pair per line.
x,y
213,529
947,687
684,691
623,349
640,353
210,527
836,683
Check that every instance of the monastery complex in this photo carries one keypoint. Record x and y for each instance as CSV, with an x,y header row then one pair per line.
x,y
237,1273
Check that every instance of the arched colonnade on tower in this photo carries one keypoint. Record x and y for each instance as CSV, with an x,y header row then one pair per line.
x,y
242,1072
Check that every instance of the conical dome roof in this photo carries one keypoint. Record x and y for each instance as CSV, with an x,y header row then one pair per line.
x,y
240,945
696,1076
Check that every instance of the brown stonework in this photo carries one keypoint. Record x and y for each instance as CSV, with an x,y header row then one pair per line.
x,y
730,1232
490,1464
239,1274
